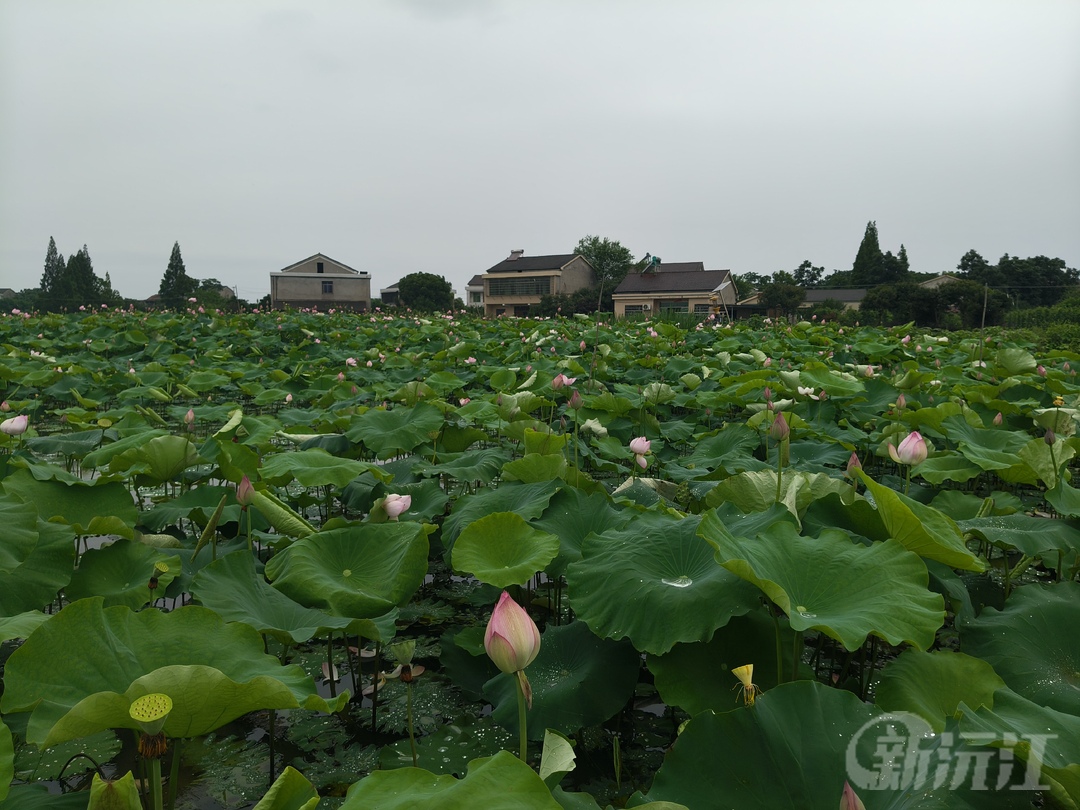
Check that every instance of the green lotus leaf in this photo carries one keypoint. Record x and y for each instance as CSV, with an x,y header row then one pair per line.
x,y
19,519
947,466
389,433
557,759
921,528
159,460
1012,362
105,454
797,746
502,550
755,491
828,583
7,760
120,573
987,448
655,582
450,748
44,570
1033,644
1031,535
71,445
577,680
197,504
429,500
933,684
284,519
476,465
1065,499
81,506
232,588
697,677
571,516
1043,736
115,794
315,468
290,791
359,572
214,672
1040,464
527,500
22,625
535,467
38,797
501,782
836,383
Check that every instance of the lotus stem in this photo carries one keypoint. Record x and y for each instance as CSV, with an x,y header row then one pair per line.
x,y
174,770
524,746
779,467
873,664
907,479
779,650
409,717
155,783
330,663
796,655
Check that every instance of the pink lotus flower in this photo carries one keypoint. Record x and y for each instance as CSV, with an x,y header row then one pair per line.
x,y
641,461
912,450
395,505
849,800
998,419
464,401
350,361
16,425
640,446
511,639
561,381
245,493
470,360
906,339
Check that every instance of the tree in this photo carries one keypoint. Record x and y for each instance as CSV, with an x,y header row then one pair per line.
x,y
52,278
782,295
866,269
176,285
80,285
749,283
806,275
609,259
902,303
426,292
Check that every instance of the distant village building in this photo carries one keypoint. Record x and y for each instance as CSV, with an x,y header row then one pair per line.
x,y
518,281
474,292
319,281
674,287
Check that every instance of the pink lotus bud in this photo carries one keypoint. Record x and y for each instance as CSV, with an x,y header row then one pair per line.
x,y
779,429
464,401
1065,367
852,465
189,417
340,376
576,400
912,450
767,362
245,493
288,397
4,406
998,419
582,345
901,402
849,800
1040,370
868,371
16,425
558,382
470,360
512,639
395,505
369,364
1050,438
768,394
906,339
640,446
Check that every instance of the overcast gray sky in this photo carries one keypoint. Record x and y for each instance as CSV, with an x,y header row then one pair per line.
x,y
436,135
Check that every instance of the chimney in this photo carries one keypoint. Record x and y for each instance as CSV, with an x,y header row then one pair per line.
x,y
515,255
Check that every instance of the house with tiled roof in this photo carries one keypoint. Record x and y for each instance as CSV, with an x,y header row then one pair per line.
x,y
518,281
321,282
674,287
474,291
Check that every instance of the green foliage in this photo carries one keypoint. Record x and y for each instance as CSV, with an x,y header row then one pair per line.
x,y
426,292
806,275
906,302
782,298
176,285
608,258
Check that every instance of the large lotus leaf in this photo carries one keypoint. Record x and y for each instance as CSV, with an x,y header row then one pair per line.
x,y
1040,464
214,672
477,465
315,468
836,383
44,570
38,797
577,680
290,791
232,588
22,625
798,745
106,453
197,504
933,684
389,433
1065,499
947,466
989,449
360,571
450,748
1033,643
501,549
120,573
1031,535
429,500
1041,735
72,445
571,516
501,782
159,460
83,507
1012,362
528,500
734,441
755,491
535,467
828,583
697,677
19,519
7,760
920,528
655,582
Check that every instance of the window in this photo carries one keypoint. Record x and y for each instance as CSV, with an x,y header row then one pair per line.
x,y
702,309
476,298
633,308
519,286
674,306
327,287
319,268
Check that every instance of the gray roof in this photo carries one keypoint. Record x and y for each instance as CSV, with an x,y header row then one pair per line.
x,y
816,295
532,264
677,267
476,281
673,281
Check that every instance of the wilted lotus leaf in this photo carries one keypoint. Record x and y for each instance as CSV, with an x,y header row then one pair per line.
x,y
80,672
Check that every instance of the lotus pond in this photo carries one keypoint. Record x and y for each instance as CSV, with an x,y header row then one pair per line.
x,y
249,561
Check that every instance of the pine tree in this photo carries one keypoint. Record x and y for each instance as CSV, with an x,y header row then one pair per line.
x,y
52,277
81,286
867,266
176,285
